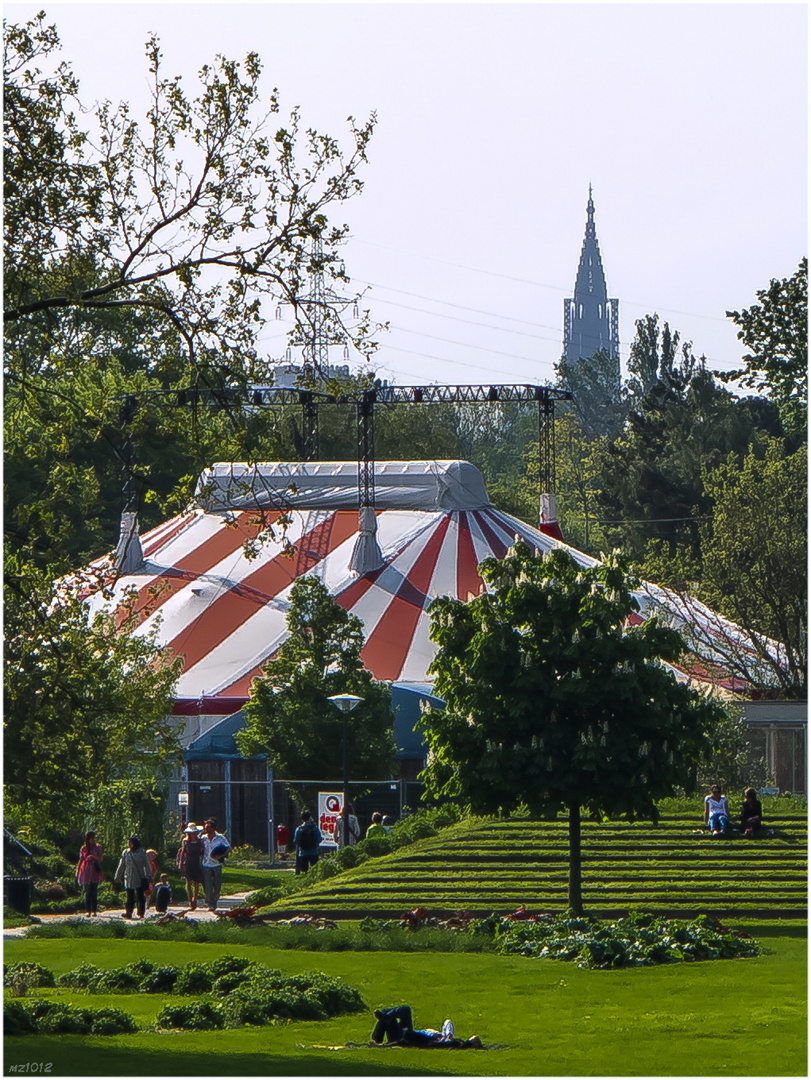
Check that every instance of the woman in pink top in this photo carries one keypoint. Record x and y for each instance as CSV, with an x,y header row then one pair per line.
x,y
89,874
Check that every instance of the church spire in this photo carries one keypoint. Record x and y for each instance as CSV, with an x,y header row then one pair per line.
x,y
590,318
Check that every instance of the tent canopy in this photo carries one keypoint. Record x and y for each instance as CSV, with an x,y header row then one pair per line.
x,y
220,601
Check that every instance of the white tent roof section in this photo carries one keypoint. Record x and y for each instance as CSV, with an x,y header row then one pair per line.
x,y
399,485
225,612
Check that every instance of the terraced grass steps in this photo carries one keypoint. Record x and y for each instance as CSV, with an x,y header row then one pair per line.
x,y
484,865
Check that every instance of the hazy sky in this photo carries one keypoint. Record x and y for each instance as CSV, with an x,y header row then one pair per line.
x,y
689,120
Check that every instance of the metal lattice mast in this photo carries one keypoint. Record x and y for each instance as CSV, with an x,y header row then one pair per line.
x,y
324,328
316,353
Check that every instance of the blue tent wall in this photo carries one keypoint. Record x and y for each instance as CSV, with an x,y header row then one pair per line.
x,y
218,743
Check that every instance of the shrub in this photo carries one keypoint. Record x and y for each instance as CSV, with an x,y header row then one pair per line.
x,y
17,1019
266,996
226,983
111,1022
256,1004
141,968
267,895
48,891
194,979
198,1015
227,965
118,981
83,977
638,940
62,1019
56,1018
245,855
160,981
29,973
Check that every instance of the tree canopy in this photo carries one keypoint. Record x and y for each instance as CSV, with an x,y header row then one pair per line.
x,y
555,701
776,333
86,704
140,257
194,217
289,715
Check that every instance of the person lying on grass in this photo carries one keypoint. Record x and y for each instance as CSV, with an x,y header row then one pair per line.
x,y
396,1026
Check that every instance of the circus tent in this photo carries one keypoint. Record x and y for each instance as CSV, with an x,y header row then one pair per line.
x,y
215,581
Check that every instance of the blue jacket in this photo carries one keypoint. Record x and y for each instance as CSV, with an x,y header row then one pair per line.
x,y
310,849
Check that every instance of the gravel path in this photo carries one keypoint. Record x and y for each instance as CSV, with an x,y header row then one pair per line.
x,y
202,914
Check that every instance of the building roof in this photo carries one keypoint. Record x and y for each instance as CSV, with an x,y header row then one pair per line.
x,y
219,598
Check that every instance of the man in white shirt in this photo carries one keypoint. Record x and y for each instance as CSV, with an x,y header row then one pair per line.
x,y
215,848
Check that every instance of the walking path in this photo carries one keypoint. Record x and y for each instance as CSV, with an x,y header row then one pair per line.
x,y
201,914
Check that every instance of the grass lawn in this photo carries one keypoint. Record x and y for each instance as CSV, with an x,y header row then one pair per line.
x,y
728,1018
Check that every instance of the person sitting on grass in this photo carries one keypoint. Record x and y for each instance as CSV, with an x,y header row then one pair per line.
x,y
716,812
751,813
396,1026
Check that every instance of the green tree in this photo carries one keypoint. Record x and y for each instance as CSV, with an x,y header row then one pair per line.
x,y
289,715
680,422
599,399
196,216
140,257
752,568
776,333
730,760
554,701
86,704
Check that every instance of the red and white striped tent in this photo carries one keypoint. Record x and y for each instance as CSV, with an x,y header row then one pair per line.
x,y
222,606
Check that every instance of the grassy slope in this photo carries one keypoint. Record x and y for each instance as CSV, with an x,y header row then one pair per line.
x,y
728,1018
493,865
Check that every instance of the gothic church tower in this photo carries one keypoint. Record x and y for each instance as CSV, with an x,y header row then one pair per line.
x,y
590,319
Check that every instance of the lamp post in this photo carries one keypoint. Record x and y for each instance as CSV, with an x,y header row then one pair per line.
x,y
345,703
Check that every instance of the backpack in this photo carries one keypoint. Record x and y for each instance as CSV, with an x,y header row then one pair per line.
x,y
306,835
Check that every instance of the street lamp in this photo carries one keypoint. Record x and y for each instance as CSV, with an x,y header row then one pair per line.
x,y
345,703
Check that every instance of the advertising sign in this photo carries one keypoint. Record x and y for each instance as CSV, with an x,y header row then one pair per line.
x,y
329,805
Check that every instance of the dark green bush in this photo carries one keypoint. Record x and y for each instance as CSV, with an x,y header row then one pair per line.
x,y
639,940
118,981
57,1018
194,979
141,968
226,983
61,1019
111,1022
17,1019
267,995
31,973
256,1005
197,1015
160,981
227,965
268,895
83,977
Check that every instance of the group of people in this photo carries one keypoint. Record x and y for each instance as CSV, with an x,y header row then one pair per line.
x,y
137,871
307,838
718,819
199,860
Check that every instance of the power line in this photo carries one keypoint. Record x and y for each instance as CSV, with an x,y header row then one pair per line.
x,y
528,281
479,311
444,360
449,303
466,345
